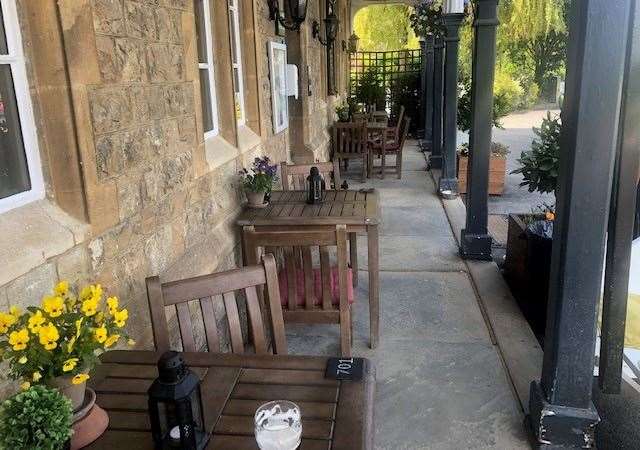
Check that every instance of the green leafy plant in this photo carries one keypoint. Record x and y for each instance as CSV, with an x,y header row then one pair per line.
x,y
38,418
369,89
498,150
343,111
539,166
501,107
405,90
427,17
261,176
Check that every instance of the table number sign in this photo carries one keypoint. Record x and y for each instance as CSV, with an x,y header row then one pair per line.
x,y
349,369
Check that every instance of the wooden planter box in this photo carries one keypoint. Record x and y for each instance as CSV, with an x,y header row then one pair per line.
x,y
497,171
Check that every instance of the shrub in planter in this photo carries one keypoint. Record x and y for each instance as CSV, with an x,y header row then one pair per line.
x,y
38,418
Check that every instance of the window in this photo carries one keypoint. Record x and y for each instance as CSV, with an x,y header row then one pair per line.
x,y
278,75
205,65
236,60
20,170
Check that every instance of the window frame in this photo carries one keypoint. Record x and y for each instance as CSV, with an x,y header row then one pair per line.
x,y
281,47
209,66
16,62
234,13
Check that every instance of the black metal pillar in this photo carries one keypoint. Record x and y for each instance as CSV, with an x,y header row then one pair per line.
x,y
420,128
448,185
427,92
621,222
475,241
435,159
562,414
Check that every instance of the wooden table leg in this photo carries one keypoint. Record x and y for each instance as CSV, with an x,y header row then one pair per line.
x,y
353,255
374,284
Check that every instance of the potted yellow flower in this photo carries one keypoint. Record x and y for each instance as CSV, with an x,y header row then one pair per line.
x,y
58,343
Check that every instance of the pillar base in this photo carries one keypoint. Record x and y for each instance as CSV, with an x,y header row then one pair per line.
x,y
435,161
448,188
559,427
475,246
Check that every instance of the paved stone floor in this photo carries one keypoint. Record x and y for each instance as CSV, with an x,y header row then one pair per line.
x,y
440,382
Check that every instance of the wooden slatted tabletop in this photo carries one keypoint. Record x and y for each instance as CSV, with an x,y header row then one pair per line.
x,y
336,415
349,207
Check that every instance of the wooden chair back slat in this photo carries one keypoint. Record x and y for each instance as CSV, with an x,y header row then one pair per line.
x,y
186,327
350,138
233,317
325,273
298,249
210,324
221,288
255,319
294,176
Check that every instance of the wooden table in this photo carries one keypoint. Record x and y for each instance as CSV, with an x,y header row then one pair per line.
x,y
335,415
357,209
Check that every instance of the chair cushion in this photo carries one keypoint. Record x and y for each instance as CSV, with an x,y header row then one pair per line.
x,y
317,287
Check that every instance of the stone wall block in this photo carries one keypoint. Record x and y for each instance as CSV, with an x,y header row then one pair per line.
x,y
129,196
169,25
29,289
75,266
120,59
157,249
163,137
177,99
187,133
118,151
108,17
140,20
140,103
165,63
110,109
178,4
175,172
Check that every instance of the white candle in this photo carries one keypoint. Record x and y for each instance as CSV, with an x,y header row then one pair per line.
x,y
453,6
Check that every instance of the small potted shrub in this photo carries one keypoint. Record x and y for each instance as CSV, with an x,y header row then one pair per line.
x,y
37,418
343,111
59,343
258,181
529,240
499,152
497,167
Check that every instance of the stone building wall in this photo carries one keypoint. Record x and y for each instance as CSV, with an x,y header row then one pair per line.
x,y
153,200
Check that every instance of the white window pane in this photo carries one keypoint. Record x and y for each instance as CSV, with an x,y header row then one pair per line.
x,y
205,95
14,172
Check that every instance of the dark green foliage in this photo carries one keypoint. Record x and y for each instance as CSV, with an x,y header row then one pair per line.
x,y
36,419
368,89
539,166
405,90
501,107
427,18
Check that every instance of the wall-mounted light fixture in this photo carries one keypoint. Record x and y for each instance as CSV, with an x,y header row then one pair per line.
x,y
331,24
297,10
353,43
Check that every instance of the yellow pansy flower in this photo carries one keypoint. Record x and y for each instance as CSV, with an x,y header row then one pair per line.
x,y
26,385
62,289
54,306
100,334
131,342
15,312
6,320
35,322
49,336
71,344
89,307
78,325
23,360
111,340
37,376
70,364
92,292
112,303
120,317
19,339
80,378
99,317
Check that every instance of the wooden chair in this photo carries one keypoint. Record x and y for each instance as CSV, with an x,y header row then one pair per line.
x,y
309,291
382,149
361,117
394,132
350,142
219,287
294,176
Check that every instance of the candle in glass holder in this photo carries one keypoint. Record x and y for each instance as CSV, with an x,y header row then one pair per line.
x,y
278,426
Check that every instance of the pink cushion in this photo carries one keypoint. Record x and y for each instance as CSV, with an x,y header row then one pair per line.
x,y
317,287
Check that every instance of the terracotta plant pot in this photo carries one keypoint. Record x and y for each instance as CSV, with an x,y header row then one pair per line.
x,y
255,199
74,392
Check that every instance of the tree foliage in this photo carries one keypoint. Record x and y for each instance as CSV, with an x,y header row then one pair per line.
x,y
385,27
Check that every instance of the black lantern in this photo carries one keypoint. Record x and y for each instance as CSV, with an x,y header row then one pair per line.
x,y
331,24
353,43
297,10
315,187
175,406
